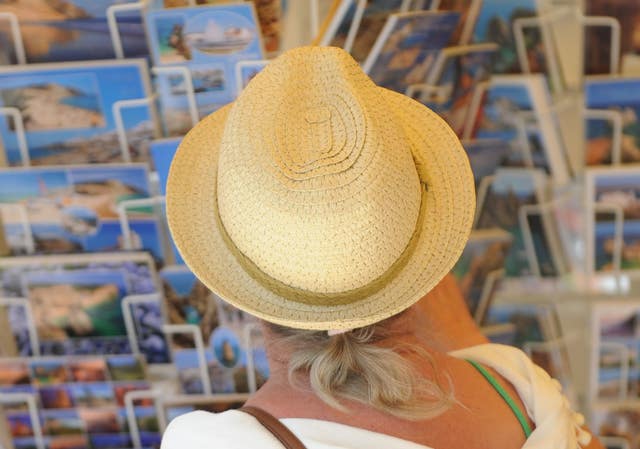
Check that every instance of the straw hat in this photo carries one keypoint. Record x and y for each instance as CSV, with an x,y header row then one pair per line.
x,y
318,200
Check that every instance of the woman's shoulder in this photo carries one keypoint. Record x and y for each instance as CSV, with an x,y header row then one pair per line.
x,y
555,421
228,430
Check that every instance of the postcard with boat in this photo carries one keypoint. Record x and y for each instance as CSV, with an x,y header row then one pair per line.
x,y
208,40
67,112
75,209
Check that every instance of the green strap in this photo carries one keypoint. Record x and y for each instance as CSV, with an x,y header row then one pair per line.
x,y
501,391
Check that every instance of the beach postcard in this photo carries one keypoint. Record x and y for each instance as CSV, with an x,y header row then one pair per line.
x,y
495,24
126,367
208,40
67,111
485,252
405,50
71,30
486,156
188,301
460,71
61,422
49,371
88,369
619,188
75,300
162,152
510,190
622,97
74,209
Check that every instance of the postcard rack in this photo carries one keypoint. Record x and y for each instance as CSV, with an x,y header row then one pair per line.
x,y
16,36
112,21
34,416
23,303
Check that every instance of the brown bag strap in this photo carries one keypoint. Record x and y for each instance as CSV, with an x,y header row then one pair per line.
x,y
273,425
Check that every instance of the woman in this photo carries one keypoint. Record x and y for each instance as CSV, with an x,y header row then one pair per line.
x,y
333,209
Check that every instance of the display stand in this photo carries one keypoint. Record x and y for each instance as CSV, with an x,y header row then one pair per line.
x,y
16,36
30,400
607,22
188,82
31,328
623,353
489,289
251,366
129,405
16,116
170,329
117,109
474,108
519,122
19,212
112,21
523,217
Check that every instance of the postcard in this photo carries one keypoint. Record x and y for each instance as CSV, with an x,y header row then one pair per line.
x,y
615,342
110,440
62,422
67,111
74,209
14,372
468,10
495,24
122,388
533,322
148,319
485,252
209,41
486,156
405,50
68,442
187,363
20,424
188,301
510,190
49,371
126,367
100,420
162,152
598,39
617,419
246,71
75,280
618,189
518,110
461,71
58,396
74,30
88,369
621,95
92,395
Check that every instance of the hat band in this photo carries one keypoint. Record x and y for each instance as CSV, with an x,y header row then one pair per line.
x,y
308,297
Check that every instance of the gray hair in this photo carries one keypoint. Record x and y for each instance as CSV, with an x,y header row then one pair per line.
x,y
359,365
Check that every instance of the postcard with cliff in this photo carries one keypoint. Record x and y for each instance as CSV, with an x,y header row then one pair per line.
x,y
70,30
74,209
407,47
619,188
209,40
75,300
621,97
67,113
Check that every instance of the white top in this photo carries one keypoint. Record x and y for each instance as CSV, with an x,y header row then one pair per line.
x,y
557,426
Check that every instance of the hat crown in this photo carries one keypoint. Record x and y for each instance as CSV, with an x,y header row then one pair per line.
x,y
316,186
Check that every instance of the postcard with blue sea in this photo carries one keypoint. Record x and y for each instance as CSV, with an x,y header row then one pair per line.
x,y
67,111
208,40
619,188
71,30
495,24
75,300
74,209
407,47
622,97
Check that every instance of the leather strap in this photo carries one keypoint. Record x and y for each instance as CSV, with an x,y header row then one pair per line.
x,y
273,425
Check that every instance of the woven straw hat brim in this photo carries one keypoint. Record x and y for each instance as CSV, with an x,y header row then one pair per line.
x,y
195,224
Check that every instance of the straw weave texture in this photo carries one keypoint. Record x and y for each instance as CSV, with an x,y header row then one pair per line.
x,y
318,200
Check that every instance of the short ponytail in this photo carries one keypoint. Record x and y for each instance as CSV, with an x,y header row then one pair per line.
x,y
357,366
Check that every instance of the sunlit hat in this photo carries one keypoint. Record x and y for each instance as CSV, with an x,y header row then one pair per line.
x,y
318,200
